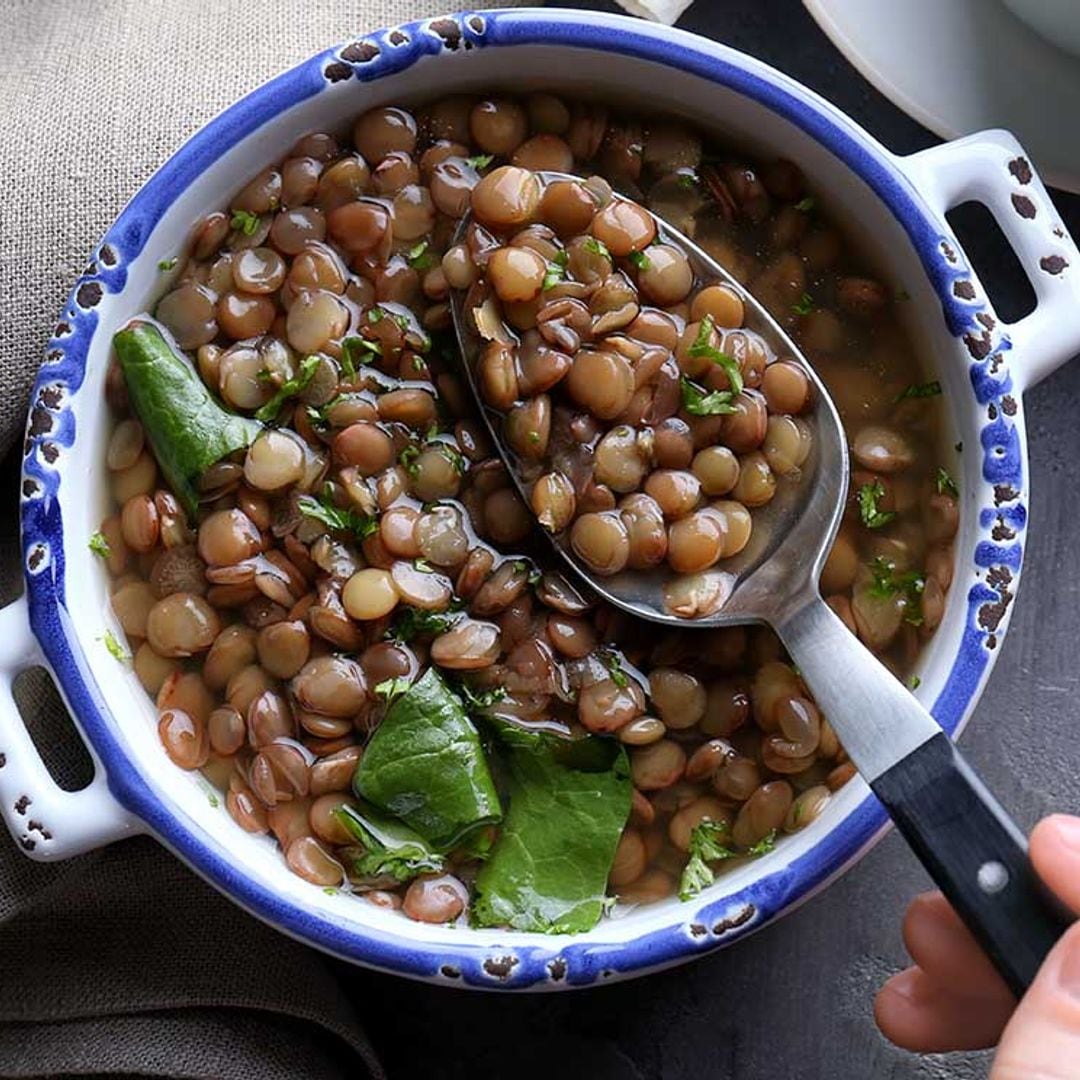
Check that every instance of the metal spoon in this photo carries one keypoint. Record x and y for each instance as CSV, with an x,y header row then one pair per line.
x,y
964,838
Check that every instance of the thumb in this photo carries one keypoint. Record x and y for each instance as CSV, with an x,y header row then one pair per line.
x,y
1043,1036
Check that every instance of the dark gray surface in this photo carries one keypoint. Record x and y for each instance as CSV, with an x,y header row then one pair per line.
x,y
795,1001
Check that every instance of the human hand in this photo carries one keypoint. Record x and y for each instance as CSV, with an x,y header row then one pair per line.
x,y
953,999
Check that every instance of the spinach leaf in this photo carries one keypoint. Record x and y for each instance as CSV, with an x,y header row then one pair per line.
x,y
188,429
425,765
392,848
569,801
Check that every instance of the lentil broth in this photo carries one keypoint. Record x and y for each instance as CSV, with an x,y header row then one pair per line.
x,y
367,534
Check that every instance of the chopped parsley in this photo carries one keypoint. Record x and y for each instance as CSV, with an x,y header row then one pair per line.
x,y
688,180
419,363
614,666
480,161
556,270
419,257
698,402
356,351
245,221
640,260
807,204
706,846
415,622
99,545
920,390
290,388
168,264
480,699
914,682
804,306
946,485
375,314
408,457
116,650
702,348
392,688
872,517
336,518
910,584
597,247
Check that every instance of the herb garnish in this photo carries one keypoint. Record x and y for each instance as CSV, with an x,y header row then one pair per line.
x,y
356,351
480,699
116,650
407,459
872,517
699,403
614,665
702,348
419,258
640,260
375,314
910,584
336,518
168,264
807,204
99,545
706,847
480,161
556,270
597,247
804,306
920,390
688,180
914,682
415,622
392,688
245,221
290,388
946,485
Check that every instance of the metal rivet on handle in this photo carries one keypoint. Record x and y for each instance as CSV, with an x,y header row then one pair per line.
x,y
992,877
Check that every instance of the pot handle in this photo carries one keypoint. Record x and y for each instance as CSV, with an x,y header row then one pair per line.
x,y
47,822
991,167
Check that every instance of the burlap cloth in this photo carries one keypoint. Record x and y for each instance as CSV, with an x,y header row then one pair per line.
x,y
122,962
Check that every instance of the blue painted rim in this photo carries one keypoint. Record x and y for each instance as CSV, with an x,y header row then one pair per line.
x,y
51,432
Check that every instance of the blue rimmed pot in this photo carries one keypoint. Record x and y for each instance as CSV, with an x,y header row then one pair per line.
x,y
894,206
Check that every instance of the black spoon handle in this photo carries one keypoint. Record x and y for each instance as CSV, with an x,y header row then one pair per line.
x,y
977,856
968,843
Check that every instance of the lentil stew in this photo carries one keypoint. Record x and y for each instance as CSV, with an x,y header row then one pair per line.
x,y
337,599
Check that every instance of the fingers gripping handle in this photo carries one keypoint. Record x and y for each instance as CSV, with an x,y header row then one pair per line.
x,y
991,167
47,822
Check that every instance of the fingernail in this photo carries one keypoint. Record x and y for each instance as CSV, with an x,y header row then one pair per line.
x,y
1068,830
1069,968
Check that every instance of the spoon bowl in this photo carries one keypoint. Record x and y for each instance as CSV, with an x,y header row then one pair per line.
x,y
791,535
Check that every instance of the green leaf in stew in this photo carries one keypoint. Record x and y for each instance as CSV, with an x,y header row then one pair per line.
x,y
425,765
188,429
569,801
392,848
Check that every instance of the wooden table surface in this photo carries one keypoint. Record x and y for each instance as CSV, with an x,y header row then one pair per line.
x,y
794,1001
